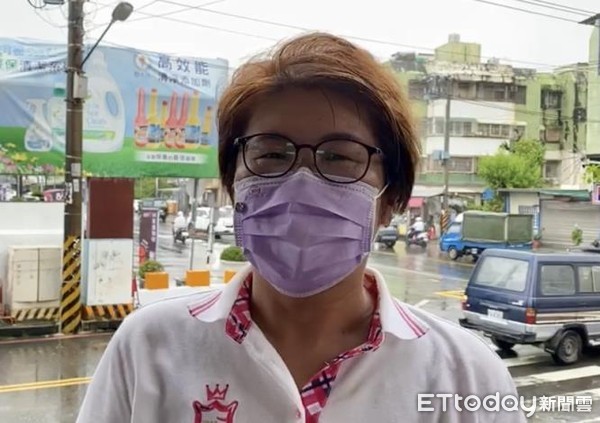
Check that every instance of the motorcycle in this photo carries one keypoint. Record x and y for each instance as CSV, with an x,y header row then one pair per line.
x,y
417,238
181,234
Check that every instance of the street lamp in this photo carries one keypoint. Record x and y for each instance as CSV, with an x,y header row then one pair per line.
x,y
120,13
70,301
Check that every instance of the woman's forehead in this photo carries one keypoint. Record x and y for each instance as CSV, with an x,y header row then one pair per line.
x,y
309,114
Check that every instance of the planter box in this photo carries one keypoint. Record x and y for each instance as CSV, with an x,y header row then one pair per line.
x,y
233,265
197,278
156,280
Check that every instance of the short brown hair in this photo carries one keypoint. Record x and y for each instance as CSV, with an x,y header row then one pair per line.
x,y
319,60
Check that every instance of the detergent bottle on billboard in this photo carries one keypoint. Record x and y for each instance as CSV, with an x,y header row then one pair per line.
x,y
192,129
104,111
171,123
140,132
206,127
56,111
37,136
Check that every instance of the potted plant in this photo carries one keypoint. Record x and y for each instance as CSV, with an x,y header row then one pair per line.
x,y
537,241
577,236
232,258
153,270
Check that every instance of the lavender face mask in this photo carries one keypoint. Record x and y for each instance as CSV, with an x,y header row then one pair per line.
x,y
304,234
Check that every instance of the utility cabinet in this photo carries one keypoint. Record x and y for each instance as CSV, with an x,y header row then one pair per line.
x,y
34,276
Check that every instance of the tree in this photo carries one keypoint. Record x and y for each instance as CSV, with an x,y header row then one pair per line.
x,y
592,174
519,166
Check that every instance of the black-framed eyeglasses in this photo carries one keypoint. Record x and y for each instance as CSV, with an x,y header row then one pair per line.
x,y
337,160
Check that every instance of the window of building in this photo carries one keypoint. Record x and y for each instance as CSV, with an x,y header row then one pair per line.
x,y
552,169
550,99
467,128
455,165
417,89
492,91
439,126
465,90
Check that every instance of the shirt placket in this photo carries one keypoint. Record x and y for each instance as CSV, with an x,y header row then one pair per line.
x,y
316,392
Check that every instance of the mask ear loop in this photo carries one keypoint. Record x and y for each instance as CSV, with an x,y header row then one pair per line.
x,y
382,191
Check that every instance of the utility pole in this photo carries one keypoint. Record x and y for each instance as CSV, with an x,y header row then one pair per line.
x,y
194,216
446,157
70,305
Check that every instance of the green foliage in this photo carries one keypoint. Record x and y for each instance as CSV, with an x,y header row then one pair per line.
x,y
233,253
150,266
145,188
577,236
520,167
494,205
531,150
592,174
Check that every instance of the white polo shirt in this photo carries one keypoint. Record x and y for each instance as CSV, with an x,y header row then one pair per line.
x,y
200,359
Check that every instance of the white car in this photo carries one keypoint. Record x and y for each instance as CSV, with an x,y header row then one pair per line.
x,y
224,225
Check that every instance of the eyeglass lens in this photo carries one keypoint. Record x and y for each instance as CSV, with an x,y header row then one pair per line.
x,y
335,159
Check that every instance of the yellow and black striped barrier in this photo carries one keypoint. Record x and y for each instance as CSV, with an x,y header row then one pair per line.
x,y
107,312
444,221
70,293
43,313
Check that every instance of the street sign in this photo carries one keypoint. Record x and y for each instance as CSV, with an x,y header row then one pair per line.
x,y
487,194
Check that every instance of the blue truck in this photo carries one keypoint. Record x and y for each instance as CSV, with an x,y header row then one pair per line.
x,y
473,232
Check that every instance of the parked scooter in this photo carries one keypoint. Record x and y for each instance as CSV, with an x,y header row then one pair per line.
x,y
182,235
417,238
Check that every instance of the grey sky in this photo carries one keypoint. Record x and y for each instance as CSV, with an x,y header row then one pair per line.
x,y
503,33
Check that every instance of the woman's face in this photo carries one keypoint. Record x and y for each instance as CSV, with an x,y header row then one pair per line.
x,y
309,116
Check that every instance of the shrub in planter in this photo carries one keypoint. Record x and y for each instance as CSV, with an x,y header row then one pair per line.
x,y
150,266
233,253
577,235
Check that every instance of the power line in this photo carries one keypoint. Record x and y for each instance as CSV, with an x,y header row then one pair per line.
x,y
353,37
574,9
551,6
524,111
526,11
199,25
170,13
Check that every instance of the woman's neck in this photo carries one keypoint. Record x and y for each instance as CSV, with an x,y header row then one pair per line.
x,y
342,311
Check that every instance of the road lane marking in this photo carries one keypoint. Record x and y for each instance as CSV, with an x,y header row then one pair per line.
x,y
436,276
557,376
457,263
59,383
458,295
523,361
421,303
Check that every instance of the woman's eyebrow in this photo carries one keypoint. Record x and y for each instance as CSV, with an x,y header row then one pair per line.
x,y
340,135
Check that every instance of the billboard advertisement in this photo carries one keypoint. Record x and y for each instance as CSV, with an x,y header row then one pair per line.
x,y
145,114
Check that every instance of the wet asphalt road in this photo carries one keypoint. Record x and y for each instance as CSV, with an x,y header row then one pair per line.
x,y
45,380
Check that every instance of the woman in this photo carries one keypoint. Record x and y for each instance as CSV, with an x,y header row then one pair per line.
x,y
317,150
